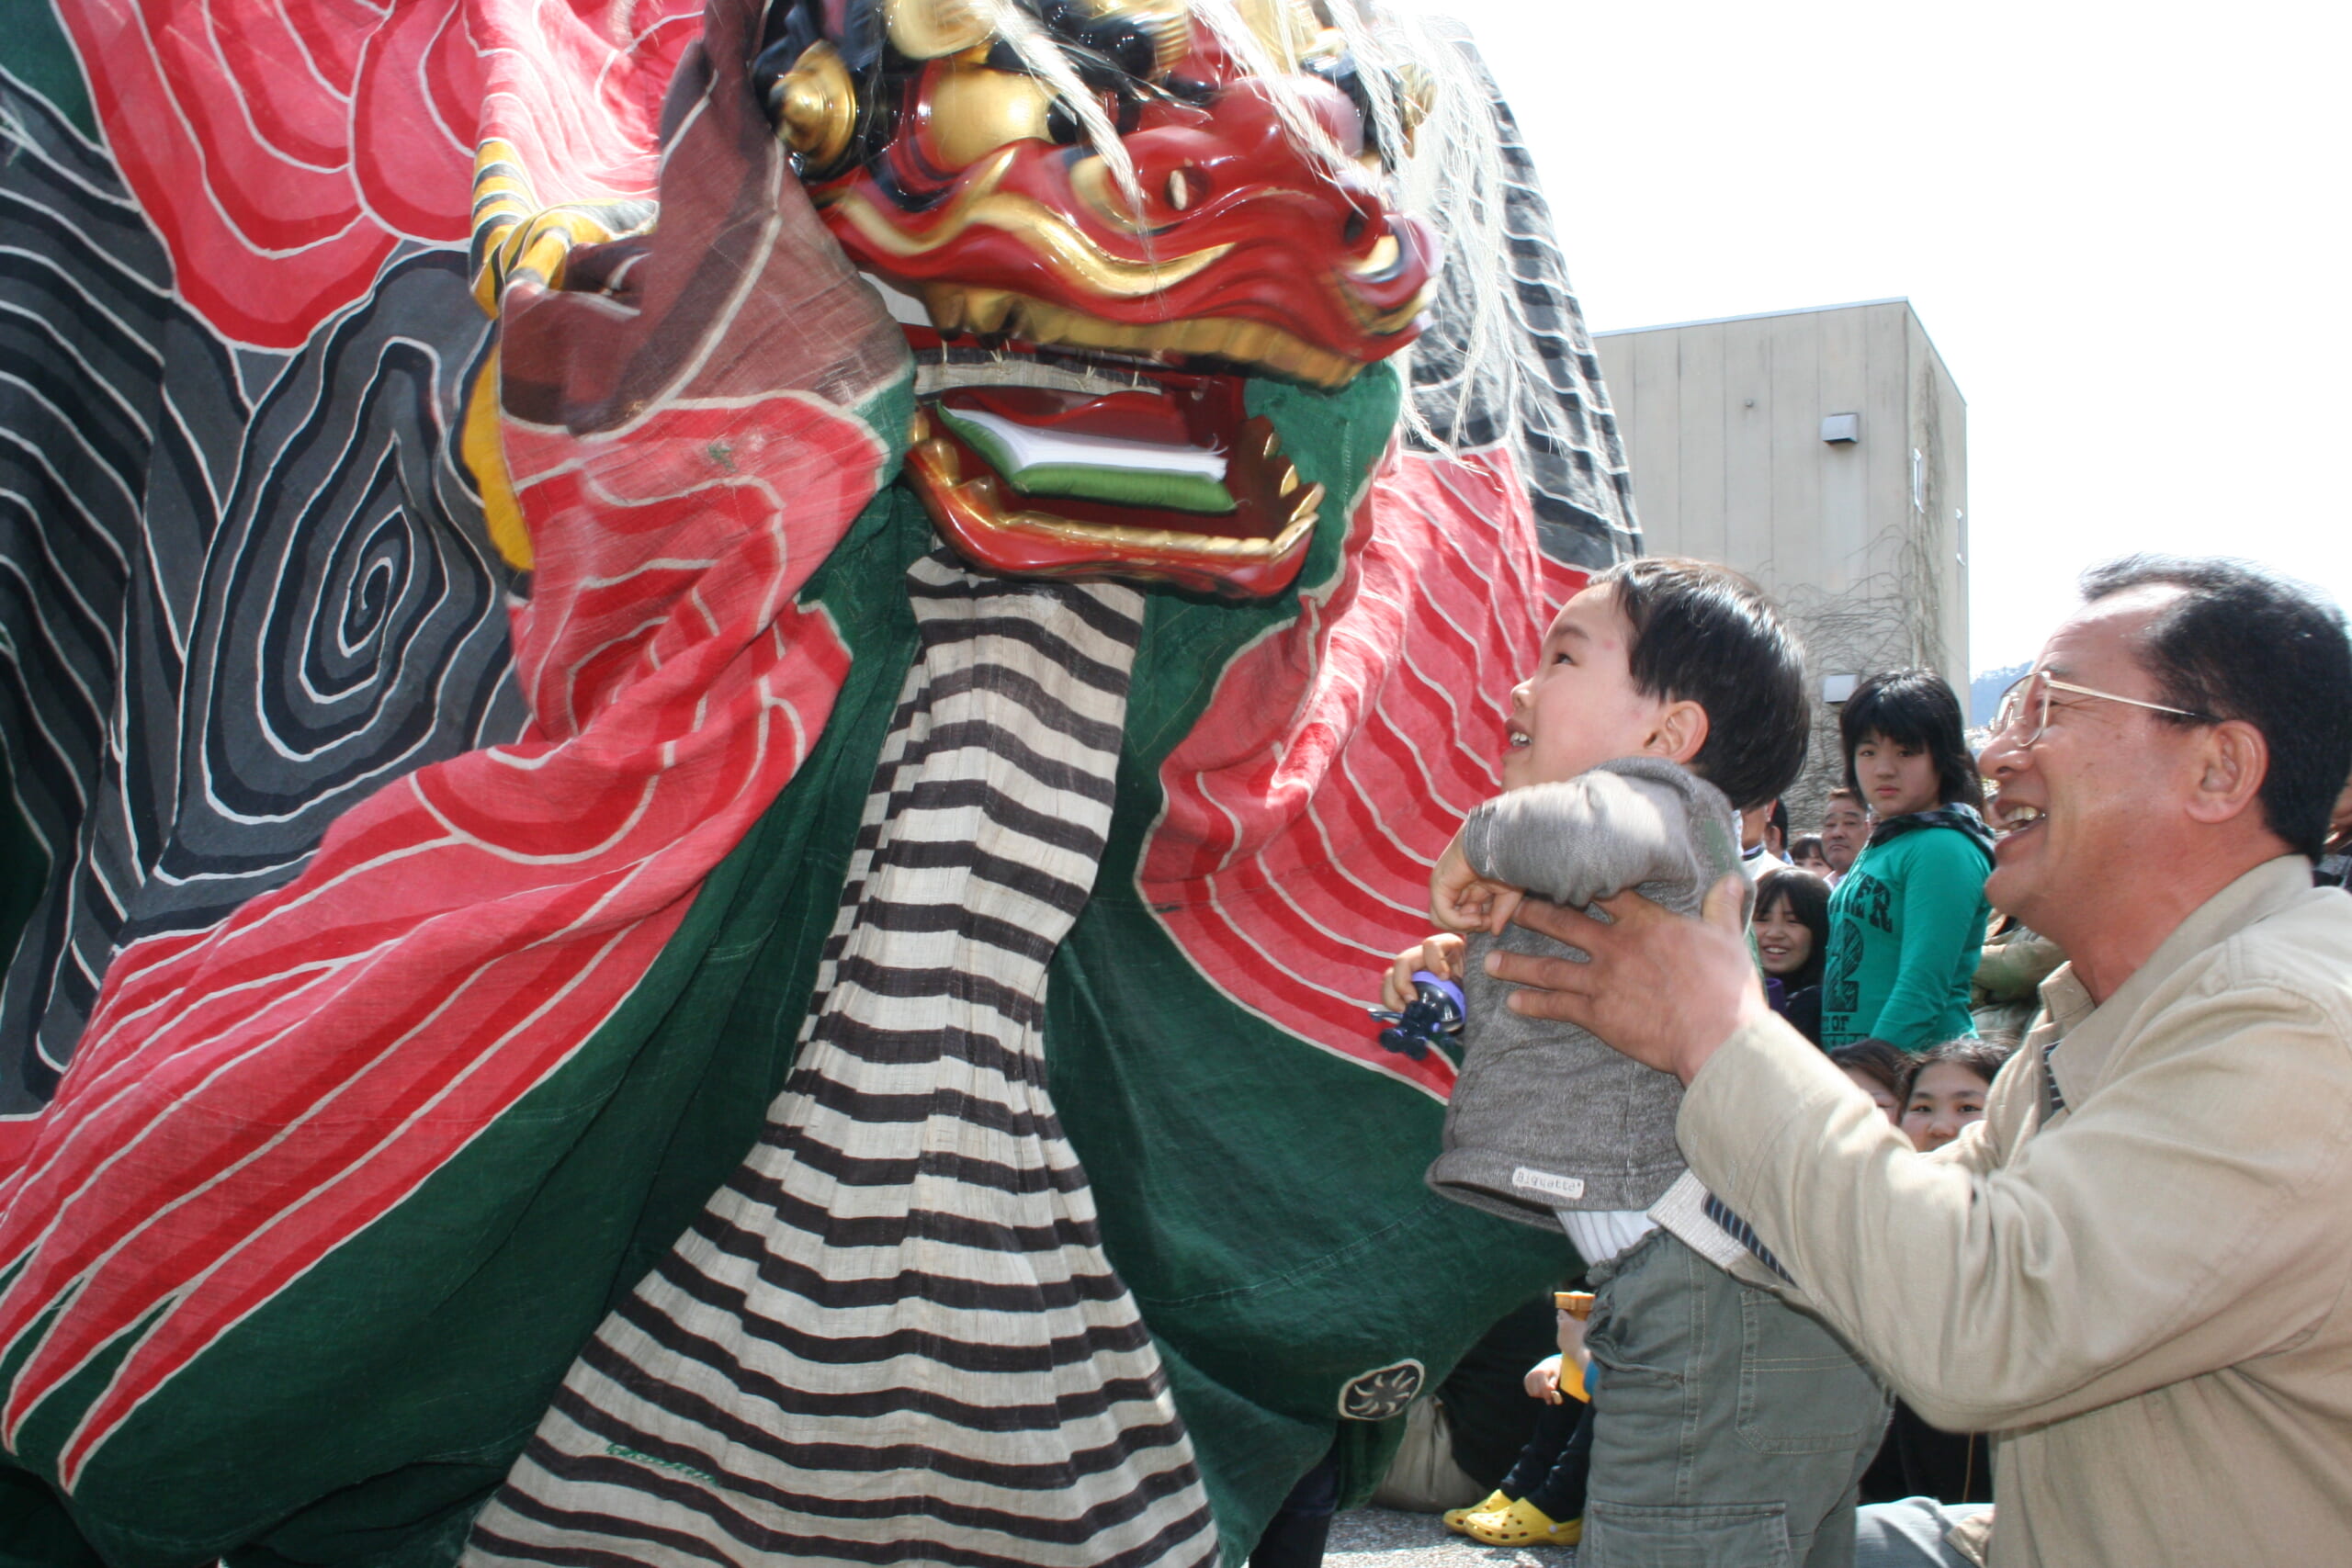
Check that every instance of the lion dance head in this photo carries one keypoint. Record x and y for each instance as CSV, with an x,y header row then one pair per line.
x,y
1101,221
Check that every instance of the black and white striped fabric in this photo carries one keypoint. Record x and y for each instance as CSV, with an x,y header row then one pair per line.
x,y
892,1335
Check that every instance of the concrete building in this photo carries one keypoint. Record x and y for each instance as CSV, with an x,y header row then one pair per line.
x,y
1825,453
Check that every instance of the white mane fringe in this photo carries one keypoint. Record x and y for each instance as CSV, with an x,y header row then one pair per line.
x,y
1454,179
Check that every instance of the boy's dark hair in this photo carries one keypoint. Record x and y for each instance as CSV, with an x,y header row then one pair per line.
x,y
1879,1062
1805,845
1807,897
1778,820
1704,634
1982,1057
1913,709
2244,643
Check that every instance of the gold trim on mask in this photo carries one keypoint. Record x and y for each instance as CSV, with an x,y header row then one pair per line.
x,y
1170,23
815,105
957,308
969,111
1116,537
1383,259
937,466
1381,323
1288,29
925,29
1058,242
1091,178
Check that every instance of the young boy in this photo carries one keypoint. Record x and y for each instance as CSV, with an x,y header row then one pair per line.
x,y
1728,1427
1550,1472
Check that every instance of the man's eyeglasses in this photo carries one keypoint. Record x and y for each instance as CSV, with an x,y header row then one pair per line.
x,y
2028,703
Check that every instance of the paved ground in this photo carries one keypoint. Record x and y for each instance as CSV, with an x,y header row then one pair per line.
x,y
1377,1537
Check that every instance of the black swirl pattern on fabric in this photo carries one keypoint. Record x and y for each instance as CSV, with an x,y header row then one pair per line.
x,y
84,294
351,612
238,591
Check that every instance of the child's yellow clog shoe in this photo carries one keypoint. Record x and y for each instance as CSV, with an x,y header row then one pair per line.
x,y
1522,1524
1494,1503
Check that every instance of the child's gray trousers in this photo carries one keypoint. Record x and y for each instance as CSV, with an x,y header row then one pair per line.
x,y
1730,1430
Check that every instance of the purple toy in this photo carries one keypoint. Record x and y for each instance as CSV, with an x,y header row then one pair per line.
x,y
1434,1018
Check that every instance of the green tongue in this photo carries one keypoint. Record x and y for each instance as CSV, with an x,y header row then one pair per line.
x,y
1121,484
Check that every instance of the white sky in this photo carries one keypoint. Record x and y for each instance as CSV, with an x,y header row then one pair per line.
x,y
2124,227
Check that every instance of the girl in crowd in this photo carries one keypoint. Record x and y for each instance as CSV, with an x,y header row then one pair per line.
x,y
1792,929
1806,854
1907,919
1880,1071
1947,1092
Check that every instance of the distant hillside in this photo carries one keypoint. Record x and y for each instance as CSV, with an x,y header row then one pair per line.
x,y
1984,692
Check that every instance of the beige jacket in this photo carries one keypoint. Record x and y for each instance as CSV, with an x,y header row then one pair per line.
x,y
2143,1294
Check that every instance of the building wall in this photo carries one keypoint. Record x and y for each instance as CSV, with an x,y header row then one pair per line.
x,y
1862,542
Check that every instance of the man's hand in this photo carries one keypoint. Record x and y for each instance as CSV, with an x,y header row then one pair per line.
x,y
1462,900
1441,955
1661,987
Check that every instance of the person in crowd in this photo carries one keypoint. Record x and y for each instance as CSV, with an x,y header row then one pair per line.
x,y
1792,929
1466,1437
1301,1528
1804,854
1880,1071
1666,690
1948,1090
2334,866
2131,1273
2005,991
1541,1502
1776,829
1845,828
1756,855
1908,916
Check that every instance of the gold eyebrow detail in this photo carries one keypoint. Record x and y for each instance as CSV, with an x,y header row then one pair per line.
x,y
1060,245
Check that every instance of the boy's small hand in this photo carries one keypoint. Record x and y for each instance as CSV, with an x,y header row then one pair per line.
x,y
1462,900
1542,1381
1441,955
1569,1336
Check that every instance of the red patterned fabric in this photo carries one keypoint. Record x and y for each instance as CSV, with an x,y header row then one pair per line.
x,y
283,149
1286,833
460,932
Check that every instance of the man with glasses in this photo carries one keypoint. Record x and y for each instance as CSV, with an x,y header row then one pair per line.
x,y
2133,1272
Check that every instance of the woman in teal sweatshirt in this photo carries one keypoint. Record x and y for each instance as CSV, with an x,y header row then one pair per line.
x,y
1908,915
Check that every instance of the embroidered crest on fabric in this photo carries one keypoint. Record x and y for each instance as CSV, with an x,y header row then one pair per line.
x,y
1383,1391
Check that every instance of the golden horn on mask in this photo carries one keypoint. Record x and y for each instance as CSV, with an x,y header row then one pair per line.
x,y
1289,28
1415,90
925,29
815,105
1168,23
